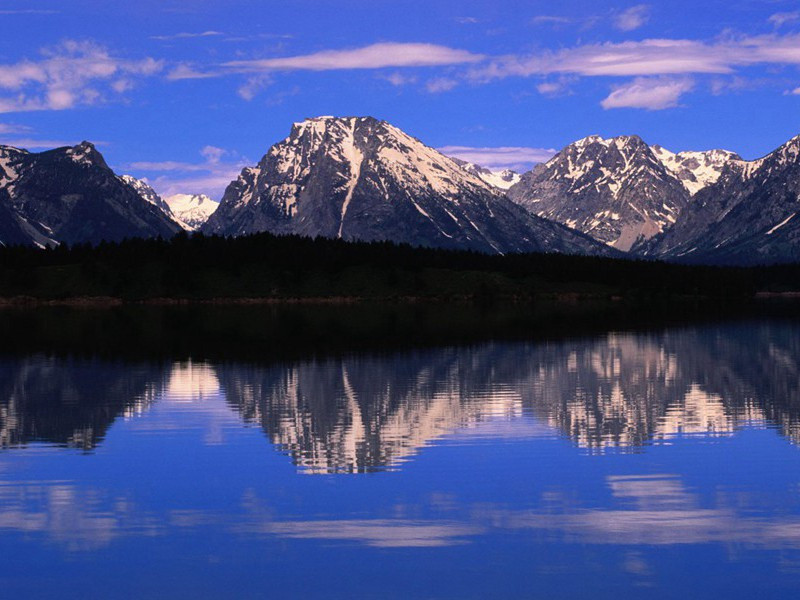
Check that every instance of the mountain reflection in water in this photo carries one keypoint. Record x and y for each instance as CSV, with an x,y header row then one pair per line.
x,y
658,464
371,412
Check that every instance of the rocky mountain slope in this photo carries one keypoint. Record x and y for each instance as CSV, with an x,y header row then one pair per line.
x,y
358,178
620,190
71,195
615,190
747,216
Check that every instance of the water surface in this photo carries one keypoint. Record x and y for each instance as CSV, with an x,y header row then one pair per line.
x,y
653,464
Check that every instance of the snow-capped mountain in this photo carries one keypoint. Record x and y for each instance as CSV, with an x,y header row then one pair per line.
x,y
615,190
358,178
749,215
696,170
71,195
502,179
148,193
191,210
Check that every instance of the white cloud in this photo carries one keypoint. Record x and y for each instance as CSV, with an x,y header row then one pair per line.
x,y
559,87
518,158
398,79
13,128
441,84
649,57
550,20
375,56
656,93
253,86
210,176
186,71
71,74
186,35
632,18
780,19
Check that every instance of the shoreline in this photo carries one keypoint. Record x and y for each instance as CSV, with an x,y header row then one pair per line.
x,y
557,297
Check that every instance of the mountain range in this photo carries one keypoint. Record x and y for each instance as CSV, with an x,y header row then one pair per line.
x,y
359,178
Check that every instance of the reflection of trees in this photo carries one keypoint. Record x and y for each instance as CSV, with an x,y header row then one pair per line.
x,y
364,412
69,402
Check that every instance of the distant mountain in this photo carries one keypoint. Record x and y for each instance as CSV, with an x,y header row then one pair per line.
x,y
747,216
615,190
502,179
358,178
71,195
191,210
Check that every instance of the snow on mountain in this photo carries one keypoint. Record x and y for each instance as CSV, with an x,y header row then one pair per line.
x,y
747,216
502,179
191,210
615,190
358,178
146,192
696,170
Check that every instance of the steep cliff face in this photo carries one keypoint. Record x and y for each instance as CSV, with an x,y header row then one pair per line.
x,y
71,195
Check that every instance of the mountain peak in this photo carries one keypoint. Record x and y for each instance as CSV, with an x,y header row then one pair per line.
x,y
359,178
191,210
86,153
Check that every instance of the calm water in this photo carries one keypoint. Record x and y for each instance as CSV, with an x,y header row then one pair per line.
x,y
617,465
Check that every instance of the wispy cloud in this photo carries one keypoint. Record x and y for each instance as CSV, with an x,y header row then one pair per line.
x,y
29,11
209,176
71,74
649,57
517,158
550,20
375,56
250,88
23,136
441,84
37,144
650,93
186,35
13,128
632,18
782,18
187,71
398,79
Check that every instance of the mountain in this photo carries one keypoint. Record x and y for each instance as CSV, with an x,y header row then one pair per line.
x,y
746,217
502,179
696,170
615,190
71,195
191,210
147,193
358,178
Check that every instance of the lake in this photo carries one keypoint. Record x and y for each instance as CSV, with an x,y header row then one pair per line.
x,y
314,452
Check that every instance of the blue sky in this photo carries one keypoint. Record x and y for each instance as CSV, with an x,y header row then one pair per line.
x,y
186,92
